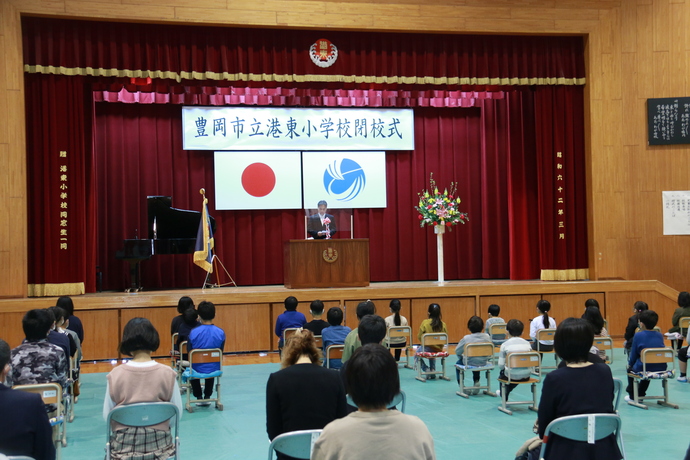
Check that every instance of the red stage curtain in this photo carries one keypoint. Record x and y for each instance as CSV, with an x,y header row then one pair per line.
x,y
281,57
62,237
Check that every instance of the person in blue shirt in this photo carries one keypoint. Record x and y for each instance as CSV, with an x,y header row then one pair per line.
x,y
288,319
646,338
206,335
335,334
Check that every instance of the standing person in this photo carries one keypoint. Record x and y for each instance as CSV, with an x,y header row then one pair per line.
x,y
428,326
543,321
302,395
75,325
290,318
24,429
578,388
475,326
682,311
335,334
373,431
321,225
646,338
184,304
206,335
396,319
633,323
140,380
514,344
316,325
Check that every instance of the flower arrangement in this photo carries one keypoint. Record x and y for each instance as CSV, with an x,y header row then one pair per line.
x,y
437,208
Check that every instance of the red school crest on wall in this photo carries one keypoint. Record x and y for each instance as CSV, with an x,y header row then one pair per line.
x,y
323,53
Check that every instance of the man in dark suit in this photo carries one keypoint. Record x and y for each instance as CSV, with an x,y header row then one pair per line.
x,y
24,426
321,225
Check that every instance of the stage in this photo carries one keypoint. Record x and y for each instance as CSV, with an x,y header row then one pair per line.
x,y
248,313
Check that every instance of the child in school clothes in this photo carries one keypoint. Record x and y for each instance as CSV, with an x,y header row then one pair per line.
x,y
206,335
646,338
475,325
514,344
289,319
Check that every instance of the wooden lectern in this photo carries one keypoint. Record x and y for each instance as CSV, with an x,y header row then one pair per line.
x,y
326,263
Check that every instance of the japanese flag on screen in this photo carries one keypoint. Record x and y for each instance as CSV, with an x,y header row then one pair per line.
x,y
258,180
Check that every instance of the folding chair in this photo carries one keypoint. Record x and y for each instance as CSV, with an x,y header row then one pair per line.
x,y
497,329
683,324
617,391
401,331
69,401
174,354
476,350
588,428
296,444
182,365
436,339
287,333
653,356
143,415
519,360
399,400
605,343
202,356
319,341
51,393
545,334
334,352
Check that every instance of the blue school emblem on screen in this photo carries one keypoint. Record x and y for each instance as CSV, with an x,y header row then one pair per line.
x,y
344,181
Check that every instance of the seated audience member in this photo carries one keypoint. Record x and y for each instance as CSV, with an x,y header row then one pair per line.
x,y
683,311
494,311
432,324
633,324
60,322
514,344
75,325
24,428
373,432
352,340
316,325
591,303
475,325
372,329
396,319
184,304
190,321
334,334
36,360
542,322
74,340
593,316
579,388
290,318
140,380
646,338
302,395
54,337
206,335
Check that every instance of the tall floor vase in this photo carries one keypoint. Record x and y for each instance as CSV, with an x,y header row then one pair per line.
x,y
439,230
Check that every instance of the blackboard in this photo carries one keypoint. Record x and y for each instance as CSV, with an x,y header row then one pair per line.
x,y
668,121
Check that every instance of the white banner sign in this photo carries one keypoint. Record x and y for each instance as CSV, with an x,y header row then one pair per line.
x,y
269,128
676,209
344,179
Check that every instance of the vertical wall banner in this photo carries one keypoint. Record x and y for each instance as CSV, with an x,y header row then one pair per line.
x,y
344,179
258,180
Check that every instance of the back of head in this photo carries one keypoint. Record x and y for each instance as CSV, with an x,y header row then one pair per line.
x,y
573,339
494,310
515,327
544,306
435,316
335,316
65,302
475,324
591,303
684,299
291,303
5,354
185,303
640,306
371,329
395,307
649,318
301,343
59,314
190,316
593,316
316,307
371,377
206,310
36,324
139,335
365,308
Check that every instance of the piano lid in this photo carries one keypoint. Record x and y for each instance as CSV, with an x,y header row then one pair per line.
x,y
172,223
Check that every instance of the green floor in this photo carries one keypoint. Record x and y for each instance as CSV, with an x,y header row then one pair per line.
x,y
467,429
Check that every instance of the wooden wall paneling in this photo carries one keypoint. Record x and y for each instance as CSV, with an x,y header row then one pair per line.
x,y
619,307
662,25
159,317
246,326
11,328
455,311
678,33
644,50
102,335
661,74
522,307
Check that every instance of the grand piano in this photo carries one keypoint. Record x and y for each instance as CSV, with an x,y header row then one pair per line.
x,y
170,231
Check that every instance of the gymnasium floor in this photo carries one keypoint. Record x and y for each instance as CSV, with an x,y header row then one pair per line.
x,y
467,429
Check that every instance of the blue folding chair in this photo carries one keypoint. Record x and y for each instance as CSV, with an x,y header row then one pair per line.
x,y
143,415
586,428
297,444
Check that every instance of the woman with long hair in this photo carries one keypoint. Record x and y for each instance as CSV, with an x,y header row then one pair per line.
x,y
433,323
396,319
543,321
